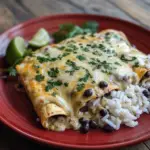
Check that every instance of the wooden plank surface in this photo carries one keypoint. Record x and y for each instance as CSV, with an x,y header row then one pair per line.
x,y
14,11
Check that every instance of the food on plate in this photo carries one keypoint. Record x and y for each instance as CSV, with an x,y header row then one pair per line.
x,y
87,80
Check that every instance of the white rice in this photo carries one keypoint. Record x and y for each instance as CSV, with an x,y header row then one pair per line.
x,y
125,107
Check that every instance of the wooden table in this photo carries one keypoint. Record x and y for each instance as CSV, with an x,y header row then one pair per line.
x,y
15,11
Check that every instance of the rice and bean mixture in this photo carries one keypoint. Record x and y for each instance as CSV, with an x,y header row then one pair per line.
x,y
114,109
110,111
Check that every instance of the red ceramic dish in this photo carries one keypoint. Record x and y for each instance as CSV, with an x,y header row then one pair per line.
x,y
16,110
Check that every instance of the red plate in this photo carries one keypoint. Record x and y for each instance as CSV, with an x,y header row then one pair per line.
x,y
16,110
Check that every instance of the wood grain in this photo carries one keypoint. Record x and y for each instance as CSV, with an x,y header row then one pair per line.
x,y
15,11
141,146
7,19
138,12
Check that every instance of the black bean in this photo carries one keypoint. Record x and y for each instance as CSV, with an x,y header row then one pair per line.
x,y
88,93
147,74
83,121
46,49
84,109
103,112
108,128
107,94
89,104
93,124
84,128
103,84
125,78
145,93
20,85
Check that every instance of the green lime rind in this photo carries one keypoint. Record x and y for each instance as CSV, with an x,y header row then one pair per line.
x,y
41,38
16,50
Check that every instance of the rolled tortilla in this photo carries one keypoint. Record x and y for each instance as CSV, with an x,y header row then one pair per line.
x,y
128,51
46,107
48,111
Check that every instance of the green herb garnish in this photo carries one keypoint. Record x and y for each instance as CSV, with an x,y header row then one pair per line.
x,y
127,59
117,63
73,67
54,94
80,86
42,59
81,57
39,77
51,84
53,72
45,59
12,71
85,77
66,84
103,65
92,26
136,64
69,30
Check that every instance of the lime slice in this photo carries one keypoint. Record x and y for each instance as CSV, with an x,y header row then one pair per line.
x,y
16,50
41,38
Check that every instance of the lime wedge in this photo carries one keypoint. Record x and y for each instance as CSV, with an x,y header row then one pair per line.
x,y
41,38
16,50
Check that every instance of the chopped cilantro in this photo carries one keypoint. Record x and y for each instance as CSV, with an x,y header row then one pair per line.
x,y
54,94
81,57
70,30
85,49
63,55
88,45
70,63
136,64
42,59
117,63
94,46
101,47
53,72
45,59
39,77
76,30
71,48
66,84
51,84
73,67
83,37
97,53
55,83
80,86
36,66
85,77
12,71
61,48
103,65
66,27
48,87
116,36
91,25
127,59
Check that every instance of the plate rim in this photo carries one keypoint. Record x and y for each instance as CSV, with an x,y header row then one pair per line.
x,y
65,145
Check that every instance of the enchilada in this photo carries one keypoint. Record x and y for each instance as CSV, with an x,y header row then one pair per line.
x,y
81,80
